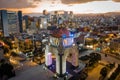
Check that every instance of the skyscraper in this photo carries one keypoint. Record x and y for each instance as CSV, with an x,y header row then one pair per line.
x,y
4,23
0,23
20,20
10,22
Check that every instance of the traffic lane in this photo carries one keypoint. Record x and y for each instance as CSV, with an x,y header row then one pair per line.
x,y
109,59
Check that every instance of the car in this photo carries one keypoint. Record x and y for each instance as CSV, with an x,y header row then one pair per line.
x,y
29,54
18,56
86,57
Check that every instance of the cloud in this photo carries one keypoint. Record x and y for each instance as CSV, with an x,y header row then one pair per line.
x,y
116,0
37,0
78,1
18,3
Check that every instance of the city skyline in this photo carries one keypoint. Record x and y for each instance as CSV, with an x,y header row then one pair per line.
x,y
77,6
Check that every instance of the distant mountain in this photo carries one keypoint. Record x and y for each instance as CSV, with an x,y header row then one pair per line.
x,y
96,14
39,14
117,13
33,14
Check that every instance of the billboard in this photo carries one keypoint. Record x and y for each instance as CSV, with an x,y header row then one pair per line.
x,y
68,42
54,41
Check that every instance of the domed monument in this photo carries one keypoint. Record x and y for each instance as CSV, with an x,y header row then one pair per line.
x,y
62,45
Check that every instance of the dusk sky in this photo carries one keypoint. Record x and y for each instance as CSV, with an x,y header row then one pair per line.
x,y
77,6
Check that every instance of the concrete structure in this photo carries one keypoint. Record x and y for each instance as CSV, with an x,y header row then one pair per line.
x,y
4,23
115,46
25,22
20,21
44,22
0,23
64,49
10,22
1,52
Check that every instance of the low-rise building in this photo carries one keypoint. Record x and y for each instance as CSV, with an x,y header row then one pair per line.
x,y
115,46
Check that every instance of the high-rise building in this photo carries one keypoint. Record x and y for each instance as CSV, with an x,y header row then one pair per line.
x,y
44,23
25,22
20,21
10,22
0,23
44,19
1,51
4,22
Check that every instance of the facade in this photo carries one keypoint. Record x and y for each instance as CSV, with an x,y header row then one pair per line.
x,y
1,51
115,46
11,22
31,24
0,22
44,20
24,25
43,23
20,21
4,23
65,50
25,22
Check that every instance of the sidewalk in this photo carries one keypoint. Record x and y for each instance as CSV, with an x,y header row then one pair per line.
x,y
34,73
115,56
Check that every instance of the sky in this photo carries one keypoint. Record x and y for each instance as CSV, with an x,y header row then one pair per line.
x,y
77,6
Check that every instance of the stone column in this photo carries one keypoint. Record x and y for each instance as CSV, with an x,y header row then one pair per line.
x,y
61,60
64,64
48,56
75,61
57,65
60,65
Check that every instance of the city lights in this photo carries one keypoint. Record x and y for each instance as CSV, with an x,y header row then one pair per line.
x,y
59,39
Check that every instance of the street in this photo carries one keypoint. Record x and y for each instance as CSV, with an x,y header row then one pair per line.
x,y
32,71
35,72
95,73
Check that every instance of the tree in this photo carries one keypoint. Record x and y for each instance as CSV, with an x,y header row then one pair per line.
x,y
14,54
6,50
94,41
103,71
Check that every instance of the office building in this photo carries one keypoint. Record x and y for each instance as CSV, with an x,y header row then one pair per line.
x,y
10,22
